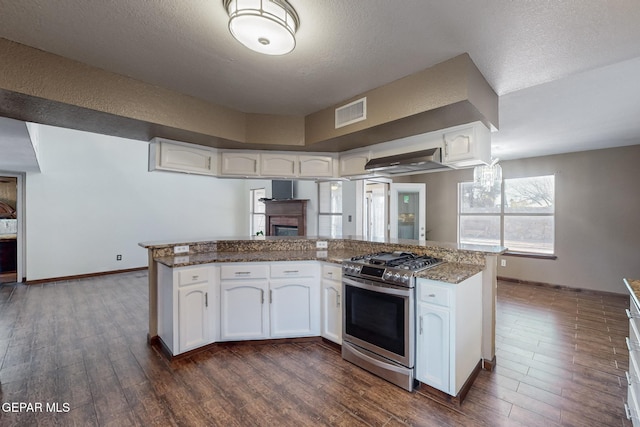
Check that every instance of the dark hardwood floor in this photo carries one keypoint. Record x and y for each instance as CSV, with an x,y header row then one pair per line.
x,y
561,357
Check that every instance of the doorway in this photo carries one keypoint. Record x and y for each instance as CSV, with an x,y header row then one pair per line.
x,y
8,229
376,212
408,211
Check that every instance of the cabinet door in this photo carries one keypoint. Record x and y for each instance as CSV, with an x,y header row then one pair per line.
x,y
458,145
316,166
243,164
433,347
331,311
280,165
353,164
295,308
182,158
193,314
243,309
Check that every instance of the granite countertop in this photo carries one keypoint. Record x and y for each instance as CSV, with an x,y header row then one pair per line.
x,y
634,289
448,272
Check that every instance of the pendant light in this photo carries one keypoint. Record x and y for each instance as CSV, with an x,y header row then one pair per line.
x,y
486,175
264,26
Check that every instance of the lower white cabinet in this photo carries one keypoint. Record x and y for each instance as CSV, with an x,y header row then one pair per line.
x,y
331,317
188,307
283,302
449,332
632,406
245,316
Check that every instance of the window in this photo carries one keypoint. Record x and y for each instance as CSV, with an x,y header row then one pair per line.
x,y
330,209
517,213
256,211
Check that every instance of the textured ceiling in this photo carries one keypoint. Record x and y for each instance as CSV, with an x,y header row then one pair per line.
x,y
565,70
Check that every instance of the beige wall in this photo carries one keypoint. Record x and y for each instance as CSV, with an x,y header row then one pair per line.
x,y
597,216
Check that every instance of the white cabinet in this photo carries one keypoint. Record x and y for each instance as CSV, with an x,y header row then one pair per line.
x,y
331,317
632,406
239,163
352,163
244,314
449,332
280,165
316,166
280,300
244,309
181,157
188,307
466,146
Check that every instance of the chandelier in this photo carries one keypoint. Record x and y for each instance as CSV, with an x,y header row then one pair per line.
x,y
264,26
486,175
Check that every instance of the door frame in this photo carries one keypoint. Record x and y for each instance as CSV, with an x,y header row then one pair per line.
x,y
419,188
21,226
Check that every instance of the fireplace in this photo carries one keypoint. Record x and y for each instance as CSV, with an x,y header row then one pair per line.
x,y
286,217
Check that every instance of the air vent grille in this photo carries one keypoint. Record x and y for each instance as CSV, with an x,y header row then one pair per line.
x,y
353,112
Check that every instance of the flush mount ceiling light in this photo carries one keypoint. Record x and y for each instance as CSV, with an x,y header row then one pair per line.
x,y
265,26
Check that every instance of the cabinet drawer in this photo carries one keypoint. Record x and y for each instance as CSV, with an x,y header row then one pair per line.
x,y
332,272
192,276
291,270
244,271
434,294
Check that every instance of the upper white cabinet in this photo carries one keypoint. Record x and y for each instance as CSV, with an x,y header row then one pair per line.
x,y
316,166
276,164
466,146
180,157
239,163
352,164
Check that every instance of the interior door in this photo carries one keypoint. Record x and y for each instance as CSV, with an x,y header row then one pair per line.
x,y
407,213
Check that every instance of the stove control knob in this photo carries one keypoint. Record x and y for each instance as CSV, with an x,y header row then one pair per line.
x,y
396,277
388,275
357,268
405,278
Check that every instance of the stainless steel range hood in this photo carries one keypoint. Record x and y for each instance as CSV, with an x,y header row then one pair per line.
x,y
417,161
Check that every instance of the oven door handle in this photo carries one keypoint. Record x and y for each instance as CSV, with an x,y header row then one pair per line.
x,y
403,292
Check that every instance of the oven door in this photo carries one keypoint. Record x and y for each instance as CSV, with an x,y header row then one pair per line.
x,y
379,318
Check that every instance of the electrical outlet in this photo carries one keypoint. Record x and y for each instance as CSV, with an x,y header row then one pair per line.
x,y
181,249
118,257
322,244
503,262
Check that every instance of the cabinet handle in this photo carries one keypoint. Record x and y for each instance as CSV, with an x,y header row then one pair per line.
x,y
330,273
431,295
421,325
627,411
629,380
206,299
237,273
262,296
631,315
291,271
270,296
631,346
194,277
209,162
338,301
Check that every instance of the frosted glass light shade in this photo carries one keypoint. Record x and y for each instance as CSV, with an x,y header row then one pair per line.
x,y
264,26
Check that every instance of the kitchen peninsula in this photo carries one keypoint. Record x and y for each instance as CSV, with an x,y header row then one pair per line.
x,y
461,263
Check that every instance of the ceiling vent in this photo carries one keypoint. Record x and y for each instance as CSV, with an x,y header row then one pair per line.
x,y
353,112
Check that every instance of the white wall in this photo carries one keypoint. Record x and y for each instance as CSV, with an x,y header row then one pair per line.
x,y
95,198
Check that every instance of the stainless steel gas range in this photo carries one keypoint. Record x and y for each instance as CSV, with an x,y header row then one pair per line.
x,y
379,313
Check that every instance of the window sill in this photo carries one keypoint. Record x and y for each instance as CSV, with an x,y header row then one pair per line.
x,y
530,255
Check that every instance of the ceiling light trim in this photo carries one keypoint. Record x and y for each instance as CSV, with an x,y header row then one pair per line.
x,y
264,26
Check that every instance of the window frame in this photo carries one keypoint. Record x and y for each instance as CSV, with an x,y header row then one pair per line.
x,y
322,213
253,213
502,215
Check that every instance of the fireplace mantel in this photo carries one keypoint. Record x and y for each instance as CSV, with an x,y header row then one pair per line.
x,y
285,215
